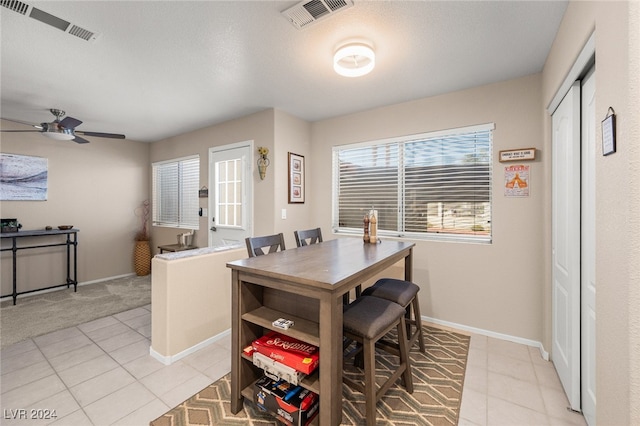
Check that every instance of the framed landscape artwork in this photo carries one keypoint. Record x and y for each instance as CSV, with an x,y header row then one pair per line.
x,y
296,178
23,178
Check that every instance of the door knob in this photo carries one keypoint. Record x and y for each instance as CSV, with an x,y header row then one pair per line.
x,y
213,228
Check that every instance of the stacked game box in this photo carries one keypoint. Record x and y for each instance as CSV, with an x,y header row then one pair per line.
x,y
289,351
292,405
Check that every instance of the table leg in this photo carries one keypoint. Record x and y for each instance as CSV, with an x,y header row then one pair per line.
x,y
75,261
236,386
408,266
68,260
14,249
330,360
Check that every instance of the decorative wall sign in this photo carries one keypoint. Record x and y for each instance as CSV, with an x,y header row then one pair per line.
x,y
23,178
518,154
296,178
516,181
609,133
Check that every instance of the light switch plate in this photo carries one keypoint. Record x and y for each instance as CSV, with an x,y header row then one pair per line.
x,y
284,213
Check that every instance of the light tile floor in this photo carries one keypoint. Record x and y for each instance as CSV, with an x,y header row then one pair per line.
x,y
100,373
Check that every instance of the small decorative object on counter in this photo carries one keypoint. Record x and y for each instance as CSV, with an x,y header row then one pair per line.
x,y
373,221
10,225
366,228
186,238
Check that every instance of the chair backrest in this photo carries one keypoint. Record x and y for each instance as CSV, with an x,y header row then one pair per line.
x,y
312,235
255,245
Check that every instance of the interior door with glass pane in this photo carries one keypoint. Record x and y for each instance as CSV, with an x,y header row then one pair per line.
x,y
230,194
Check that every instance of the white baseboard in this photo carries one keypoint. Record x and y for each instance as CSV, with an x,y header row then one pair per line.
x,y
62,287
99,280
168,360
543,353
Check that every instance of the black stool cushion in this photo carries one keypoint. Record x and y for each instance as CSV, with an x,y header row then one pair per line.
x,y
367,316
398,291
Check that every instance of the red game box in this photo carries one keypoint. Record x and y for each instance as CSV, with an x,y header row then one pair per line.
x,y
288,351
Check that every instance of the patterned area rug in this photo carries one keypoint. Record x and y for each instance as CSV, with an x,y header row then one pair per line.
x,y
438,378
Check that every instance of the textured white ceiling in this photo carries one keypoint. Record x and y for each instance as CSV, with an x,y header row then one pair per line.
x,y
161,68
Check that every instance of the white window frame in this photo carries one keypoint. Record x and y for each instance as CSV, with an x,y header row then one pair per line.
x,y
183,212
401,181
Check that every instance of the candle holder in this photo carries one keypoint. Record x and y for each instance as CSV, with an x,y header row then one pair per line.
x,y
263,161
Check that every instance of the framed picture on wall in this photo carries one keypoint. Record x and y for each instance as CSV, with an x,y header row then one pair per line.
x,y
296,178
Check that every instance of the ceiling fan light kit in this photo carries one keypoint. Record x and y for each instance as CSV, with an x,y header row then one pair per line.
x,y
63,130
58,134
354,59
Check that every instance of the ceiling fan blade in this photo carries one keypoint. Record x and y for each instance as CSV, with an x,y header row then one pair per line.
x,y
37,126
69,123
78,139
101,135
19,131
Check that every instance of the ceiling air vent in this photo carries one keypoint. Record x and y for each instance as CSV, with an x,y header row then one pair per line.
x,y
49,19
309,12
15,5
82,33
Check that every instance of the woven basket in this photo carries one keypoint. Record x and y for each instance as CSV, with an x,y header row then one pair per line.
x,y
142,258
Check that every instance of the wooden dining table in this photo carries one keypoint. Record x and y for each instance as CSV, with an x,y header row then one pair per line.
x,y
306,285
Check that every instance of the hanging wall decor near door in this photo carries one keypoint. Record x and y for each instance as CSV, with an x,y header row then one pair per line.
x,y
609,133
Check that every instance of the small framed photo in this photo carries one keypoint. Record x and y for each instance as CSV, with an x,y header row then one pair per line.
x,y
609,135
296,178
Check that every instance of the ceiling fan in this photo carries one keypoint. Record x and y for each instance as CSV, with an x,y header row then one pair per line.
x,y
63,128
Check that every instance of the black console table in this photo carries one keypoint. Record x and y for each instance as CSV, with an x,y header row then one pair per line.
x,y
43,233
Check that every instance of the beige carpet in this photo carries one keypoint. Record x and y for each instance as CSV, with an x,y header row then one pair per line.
x,y
438,380
35,315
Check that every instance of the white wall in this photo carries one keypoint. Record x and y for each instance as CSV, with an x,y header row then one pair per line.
x,y
257,127
496,286
96,187
617,34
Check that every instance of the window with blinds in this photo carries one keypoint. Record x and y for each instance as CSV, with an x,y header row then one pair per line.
x,y
433,185
175,193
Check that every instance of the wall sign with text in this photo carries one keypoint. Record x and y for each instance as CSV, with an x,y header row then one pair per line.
x,y
518,154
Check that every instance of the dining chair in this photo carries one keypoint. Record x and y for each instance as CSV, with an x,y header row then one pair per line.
x,y
308,236
257,245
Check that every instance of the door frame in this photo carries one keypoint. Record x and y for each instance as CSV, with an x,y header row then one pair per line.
x,y
588,287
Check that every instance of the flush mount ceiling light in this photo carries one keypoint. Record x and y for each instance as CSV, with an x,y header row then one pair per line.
x,y
354,60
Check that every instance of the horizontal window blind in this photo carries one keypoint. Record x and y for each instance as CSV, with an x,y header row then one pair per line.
x,y
422,185
368,178
175,193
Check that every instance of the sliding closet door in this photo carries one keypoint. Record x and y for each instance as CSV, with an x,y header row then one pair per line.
x,y
588,238
565,349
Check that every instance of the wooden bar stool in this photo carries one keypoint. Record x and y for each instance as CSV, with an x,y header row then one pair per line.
x,y
405,294
366,321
